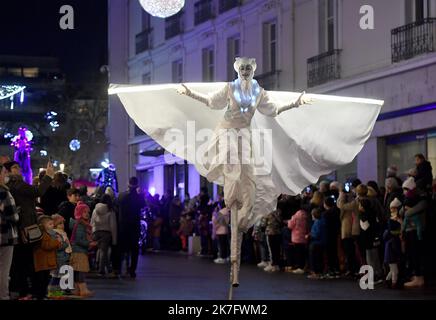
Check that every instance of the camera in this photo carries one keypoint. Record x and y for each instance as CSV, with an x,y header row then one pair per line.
x,y
347,187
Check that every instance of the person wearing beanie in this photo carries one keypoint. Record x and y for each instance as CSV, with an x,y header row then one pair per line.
x,y
393,190
62,255
104,230
81,242
44,254
409,184
392,241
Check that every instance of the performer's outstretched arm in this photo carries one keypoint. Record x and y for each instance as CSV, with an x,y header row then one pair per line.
x,y
300,101
217,100
270,108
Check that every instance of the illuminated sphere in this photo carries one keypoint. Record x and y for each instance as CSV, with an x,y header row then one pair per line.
x,y
74,145
162,8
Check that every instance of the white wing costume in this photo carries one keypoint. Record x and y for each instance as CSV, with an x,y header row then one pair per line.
x,y
297,146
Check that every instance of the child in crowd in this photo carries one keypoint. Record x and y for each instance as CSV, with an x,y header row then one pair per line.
x,y
62,254
81,241
185,230
220,222
274,239
44,255
317,239
203,230
411,198
259,237
298,224
392,241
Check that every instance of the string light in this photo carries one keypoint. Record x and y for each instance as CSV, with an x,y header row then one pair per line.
x,y
9,91
162,8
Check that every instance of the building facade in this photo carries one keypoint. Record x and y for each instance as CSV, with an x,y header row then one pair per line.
x,y
373,49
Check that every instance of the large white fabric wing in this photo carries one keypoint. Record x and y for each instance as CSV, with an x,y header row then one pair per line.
x,y
307,142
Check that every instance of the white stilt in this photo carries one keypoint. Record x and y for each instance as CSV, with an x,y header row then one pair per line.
x,y
235,250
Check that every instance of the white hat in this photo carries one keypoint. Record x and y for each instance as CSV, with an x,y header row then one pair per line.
x,y
244,60
409,183
395,203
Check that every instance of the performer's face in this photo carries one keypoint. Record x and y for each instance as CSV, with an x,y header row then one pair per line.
x,y
246,72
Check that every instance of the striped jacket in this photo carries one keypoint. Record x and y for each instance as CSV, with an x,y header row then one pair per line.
x,y
8,218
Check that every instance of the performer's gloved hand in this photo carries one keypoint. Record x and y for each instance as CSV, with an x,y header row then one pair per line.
x,y
302,99
183,89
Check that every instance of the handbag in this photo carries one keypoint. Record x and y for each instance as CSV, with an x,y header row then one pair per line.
x,y
31,234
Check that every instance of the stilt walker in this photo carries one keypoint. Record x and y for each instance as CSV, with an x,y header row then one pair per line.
x,y
256,156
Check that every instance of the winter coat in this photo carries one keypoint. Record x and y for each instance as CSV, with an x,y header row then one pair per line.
x,y
424,175
273,224
44,254
203,225
8,218
157,227
371,235
130,204
220,221
186,226
318,232
52,198
63,253
333,224
80,236
299,226
392,242
104,219
66,210
415,218
349,217
25,197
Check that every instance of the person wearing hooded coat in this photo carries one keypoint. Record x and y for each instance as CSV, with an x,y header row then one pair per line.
x,y
104,229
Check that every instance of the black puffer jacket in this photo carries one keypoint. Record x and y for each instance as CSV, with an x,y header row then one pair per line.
x,y
25,197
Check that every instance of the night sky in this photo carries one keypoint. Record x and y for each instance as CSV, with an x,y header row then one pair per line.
x,y
31,27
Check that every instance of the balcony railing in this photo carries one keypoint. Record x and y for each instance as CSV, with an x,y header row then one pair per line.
x,y
269,80
203,11
323,68
413,39
226,5
173,25
143,41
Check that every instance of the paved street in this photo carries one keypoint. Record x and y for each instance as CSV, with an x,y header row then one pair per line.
x,y
175,276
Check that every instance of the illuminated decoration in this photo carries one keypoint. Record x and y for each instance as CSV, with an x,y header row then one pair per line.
x,y
43,153
50,115
23,148
8,135
74,145
10,91
51,118
162,8
54,125
152,190
108,176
